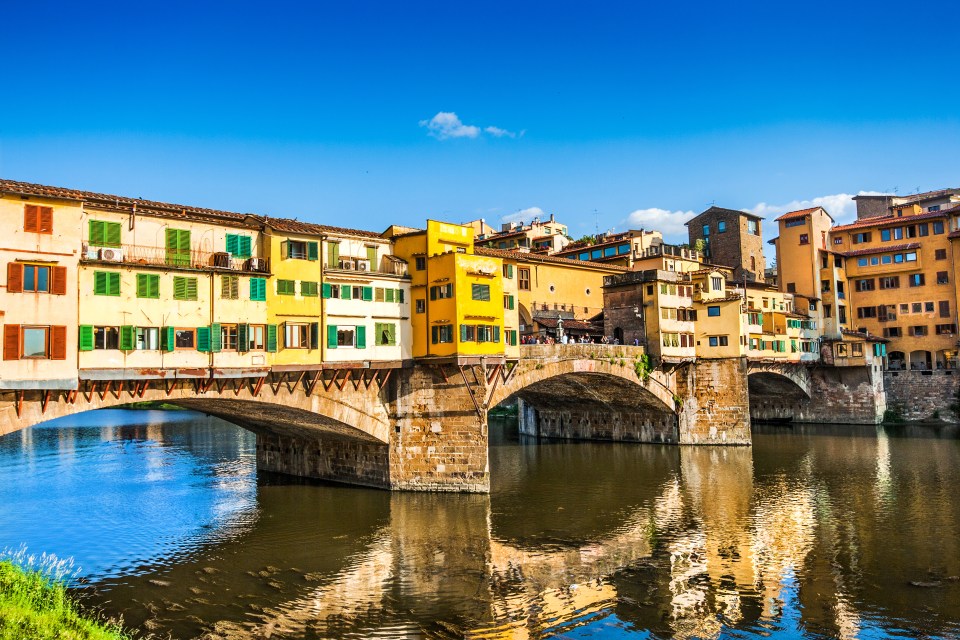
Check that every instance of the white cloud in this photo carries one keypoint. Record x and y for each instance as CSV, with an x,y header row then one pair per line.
x,y
669,223
524,215
447,124
840,206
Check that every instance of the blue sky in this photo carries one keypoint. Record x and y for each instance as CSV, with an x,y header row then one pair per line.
x,y
642,112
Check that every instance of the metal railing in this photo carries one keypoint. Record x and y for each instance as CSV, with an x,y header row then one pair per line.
x,y
159,256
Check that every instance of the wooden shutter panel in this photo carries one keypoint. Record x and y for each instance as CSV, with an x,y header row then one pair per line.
x,y
400,295
313,251
244,247
59,284
95,232
345,291
272,338
128,337
331,336
372,258
31,218
168,339
232,244
203,339
361,337
86,337
327,290
111,234
368,294
11,342
314,335
45,222
216,337
14,277
243,338
58,343
114,284
333,250
392,334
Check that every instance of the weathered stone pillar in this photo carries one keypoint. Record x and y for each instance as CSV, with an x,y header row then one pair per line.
x,y
324,457
715,402
439,439
527,416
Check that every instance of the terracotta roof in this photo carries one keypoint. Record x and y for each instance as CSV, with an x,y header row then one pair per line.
x,y
311,228
954,234
926,195
801,213
883,221
723,210
536,257
893,247
869,337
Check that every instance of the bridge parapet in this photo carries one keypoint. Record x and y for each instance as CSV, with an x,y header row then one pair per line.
x,y
579,351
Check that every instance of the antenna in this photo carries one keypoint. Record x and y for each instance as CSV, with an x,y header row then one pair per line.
x,y
596,222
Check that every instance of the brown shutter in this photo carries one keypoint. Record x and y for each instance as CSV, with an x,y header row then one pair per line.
x,y
11,342
59,281
58,343
31,218
45,220
14,277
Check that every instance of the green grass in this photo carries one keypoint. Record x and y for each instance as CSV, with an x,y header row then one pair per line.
x,y
35,603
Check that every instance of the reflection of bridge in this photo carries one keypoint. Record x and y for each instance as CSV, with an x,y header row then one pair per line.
x,y
423,426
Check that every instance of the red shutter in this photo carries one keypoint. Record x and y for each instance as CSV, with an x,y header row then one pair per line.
x,y
14,277
31,218
45,220
58,343
11,342
59,281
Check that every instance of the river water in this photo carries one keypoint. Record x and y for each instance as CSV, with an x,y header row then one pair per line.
x,y
827,531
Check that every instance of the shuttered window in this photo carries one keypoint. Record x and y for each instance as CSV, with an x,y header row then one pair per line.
x,y
58,343
327,290
178,247
184,288
103,234
372,258
230,287
11,342
106,283
239,246
308,289
333,255
258,289
481,292
272,338
148,285
286,287
367,294
361,337
37,219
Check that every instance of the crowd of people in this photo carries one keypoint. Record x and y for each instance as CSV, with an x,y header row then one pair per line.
x,y
565,339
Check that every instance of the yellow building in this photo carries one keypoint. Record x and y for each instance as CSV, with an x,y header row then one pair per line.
x,y
721,325
457,295
38,305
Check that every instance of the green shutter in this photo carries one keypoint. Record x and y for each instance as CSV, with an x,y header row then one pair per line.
x,y
128,337
333,254
361,337
95,233
399,295
345,292
285,249
148,285
191,288
243,338
216,337
496,333
112,234
232,243
99,283
367,294
313,251
167,339
113,287
314,335
203,339
86,337
463,333
372,258
258,289
389,295
178,247
327,290
509,270
272,338
246,247
392,329
331,336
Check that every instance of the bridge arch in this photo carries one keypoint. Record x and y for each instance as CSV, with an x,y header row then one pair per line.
x,y
790,380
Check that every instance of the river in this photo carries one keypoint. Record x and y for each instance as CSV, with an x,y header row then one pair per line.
x,y
814,532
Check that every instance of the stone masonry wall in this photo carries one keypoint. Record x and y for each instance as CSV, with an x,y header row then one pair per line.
x,y
438,443
838,395
917,395
325,458
715,405
612,426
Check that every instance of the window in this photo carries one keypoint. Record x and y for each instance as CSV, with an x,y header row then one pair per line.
x,y
37,219
106,338
301,250
717,283
184,288
468,333
421,305
286,287
890,282
753,227
524,277
885,235
386,334
36,342
938,227
944,308
106,283
713,312
838,240
184,338
296,335
892,332
585,256
148,285
824,286
928,307
230,287
934,207
255,337
480,292
897,233
915,307
866,312
940,254
258,289
865,285
862,262
923,229
178,247
842,314
943,277
441,292
856,349
804,238
239,246
508,271
623,249
36,278
946,329
840,349
442,334
859,238
147,339
508,302
916,279
706,230
308,289
228,337
722,226
918,330
718,341
103,234
799,222
420,263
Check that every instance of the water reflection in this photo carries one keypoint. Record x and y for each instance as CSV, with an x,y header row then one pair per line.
x,y
814,532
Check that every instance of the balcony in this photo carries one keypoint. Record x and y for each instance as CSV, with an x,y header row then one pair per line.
x,y
130,254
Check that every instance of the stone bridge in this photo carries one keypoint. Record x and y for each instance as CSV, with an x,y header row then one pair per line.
x,y
423,426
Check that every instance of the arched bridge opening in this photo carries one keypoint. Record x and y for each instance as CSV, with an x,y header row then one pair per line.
x,y
778,394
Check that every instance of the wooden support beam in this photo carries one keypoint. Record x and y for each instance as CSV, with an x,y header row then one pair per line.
x,y
296,384
443,372
93,389
44,400
258,386
169,389
19,403
346,377
238,384
313,383
72,396
383,383
470,391
276,388
327,385
104,392
119,391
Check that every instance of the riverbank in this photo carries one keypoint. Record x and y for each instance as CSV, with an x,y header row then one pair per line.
x,y
36,606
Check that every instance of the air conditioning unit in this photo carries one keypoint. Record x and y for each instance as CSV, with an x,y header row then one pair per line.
x,y
111,255
93,253
347,265
256,264
222,260
363,265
